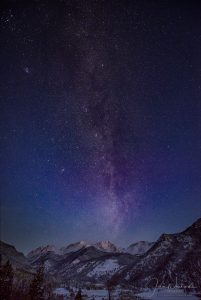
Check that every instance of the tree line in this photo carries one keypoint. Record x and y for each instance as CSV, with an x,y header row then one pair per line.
x,y
38,289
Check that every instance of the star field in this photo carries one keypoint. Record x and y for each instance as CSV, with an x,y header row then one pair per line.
x,y
100,120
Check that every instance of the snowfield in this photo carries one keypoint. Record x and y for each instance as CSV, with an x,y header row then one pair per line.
x,y
166,294
76,261
61,291
108,266
153,294
95,294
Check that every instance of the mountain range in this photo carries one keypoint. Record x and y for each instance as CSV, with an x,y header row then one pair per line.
x,y
173,258
105,246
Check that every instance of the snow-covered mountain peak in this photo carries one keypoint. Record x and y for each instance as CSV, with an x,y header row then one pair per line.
x,y
84,243
43,250
75,247
106,246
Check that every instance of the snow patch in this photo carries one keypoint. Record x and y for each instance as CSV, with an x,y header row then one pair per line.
x,y
108,266
75,261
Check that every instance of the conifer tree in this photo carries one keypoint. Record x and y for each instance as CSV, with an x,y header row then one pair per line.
x,y
78,295
6,281
37,286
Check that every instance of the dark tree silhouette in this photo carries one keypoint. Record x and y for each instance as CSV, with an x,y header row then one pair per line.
x,y
6,281
110,286
37,286
78,295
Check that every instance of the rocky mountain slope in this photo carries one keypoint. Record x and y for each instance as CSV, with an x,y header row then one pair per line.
x,y
139,247
23,270
8,252
173,258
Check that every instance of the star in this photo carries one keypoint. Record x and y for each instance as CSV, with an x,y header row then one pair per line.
x,y
26,70
62,170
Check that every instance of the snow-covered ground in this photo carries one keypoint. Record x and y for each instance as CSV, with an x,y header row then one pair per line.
x,y
62,292
100,294
152,294
96,294
166,294
89,294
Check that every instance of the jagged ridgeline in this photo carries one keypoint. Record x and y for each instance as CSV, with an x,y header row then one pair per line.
x,y
171,256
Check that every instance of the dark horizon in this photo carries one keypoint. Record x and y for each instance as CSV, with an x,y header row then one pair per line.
x,y
100,120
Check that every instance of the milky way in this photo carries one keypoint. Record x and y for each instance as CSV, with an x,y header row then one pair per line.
x,y
98,118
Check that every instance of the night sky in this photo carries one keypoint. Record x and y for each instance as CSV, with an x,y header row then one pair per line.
x,y
100,120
